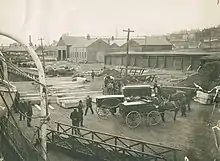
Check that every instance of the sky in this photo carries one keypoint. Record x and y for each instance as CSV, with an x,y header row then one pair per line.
x,y
51,18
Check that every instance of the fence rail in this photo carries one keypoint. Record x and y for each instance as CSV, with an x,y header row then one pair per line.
x,y
123,145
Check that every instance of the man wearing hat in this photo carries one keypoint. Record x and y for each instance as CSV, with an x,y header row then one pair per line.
x,y
81,113
21,109
29,113
88,105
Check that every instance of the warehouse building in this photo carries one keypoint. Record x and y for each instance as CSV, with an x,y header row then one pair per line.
x,y
169,60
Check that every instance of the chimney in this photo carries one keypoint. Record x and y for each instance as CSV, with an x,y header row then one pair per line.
x,y
145,40
30,41
88,37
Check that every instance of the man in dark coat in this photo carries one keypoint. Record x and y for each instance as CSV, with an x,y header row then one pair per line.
x,y
16,102
80,107
74,116
22,109
93,74
29,113
88,105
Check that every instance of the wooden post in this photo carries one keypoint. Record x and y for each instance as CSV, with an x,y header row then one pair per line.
x,y
128,31
165,62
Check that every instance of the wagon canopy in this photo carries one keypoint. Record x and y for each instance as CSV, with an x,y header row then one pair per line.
x,y
137,90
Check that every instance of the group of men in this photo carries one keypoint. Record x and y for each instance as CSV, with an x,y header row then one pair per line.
x,y
111,85
24,108
77,115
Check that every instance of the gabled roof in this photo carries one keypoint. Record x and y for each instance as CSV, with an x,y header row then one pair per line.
x,y
152,40
75,41
119,42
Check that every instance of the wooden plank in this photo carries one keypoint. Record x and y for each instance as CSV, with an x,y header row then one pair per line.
x,y
78,92
37,107
51,107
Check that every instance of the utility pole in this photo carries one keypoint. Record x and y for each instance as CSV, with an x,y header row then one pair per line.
x,y
128,36
42,51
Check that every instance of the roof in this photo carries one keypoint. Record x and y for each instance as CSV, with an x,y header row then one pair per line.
x,y
215,56
119,41
163,53
75,41
152,40
47,48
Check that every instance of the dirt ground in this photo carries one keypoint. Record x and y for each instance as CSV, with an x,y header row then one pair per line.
x,y
173,134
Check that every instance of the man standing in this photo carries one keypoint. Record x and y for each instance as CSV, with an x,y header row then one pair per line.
x,y
22,109
81,113
88,105
183,104
74,116
16,102
93,75
29,113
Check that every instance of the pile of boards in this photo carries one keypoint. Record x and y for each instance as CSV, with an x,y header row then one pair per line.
x,y
204,98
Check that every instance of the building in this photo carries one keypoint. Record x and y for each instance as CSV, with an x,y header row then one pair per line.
x,y
141,44
152,43
81,49
169,60
50,52
210,45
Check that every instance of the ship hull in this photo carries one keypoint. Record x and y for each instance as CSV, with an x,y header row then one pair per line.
x,y
8,97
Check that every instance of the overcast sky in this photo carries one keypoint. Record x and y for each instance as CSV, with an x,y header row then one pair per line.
x,y
51,18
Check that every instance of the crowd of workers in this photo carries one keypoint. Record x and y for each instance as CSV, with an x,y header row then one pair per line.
x,y
24,108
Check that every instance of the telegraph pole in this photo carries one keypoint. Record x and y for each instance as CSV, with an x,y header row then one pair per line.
x,y
42,51
128,36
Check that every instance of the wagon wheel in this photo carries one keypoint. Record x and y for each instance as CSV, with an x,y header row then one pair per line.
x,y
153,118
133,119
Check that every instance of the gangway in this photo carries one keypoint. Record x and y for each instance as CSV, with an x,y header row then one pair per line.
x,y
106,147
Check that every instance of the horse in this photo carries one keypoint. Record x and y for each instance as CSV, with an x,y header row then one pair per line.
x,y
164,105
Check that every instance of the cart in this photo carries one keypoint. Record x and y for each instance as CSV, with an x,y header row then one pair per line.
x,y
134,113
107,104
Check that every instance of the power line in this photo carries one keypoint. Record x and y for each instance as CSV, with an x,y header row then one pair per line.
x,y
128,36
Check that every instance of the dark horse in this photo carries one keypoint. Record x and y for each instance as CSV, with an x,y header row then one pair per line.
x,y
171,101
164,105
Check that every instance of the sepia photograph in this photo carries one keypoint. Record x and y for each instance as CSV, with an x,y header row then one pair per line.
x,y
109,80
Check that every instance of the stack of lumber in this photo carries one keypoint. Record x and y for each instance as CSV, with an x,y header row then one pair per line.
x,y
72,99
203,98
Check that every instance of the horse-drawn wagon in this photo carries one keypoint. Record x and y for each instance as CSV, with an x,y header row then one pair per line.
x,y
138,104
